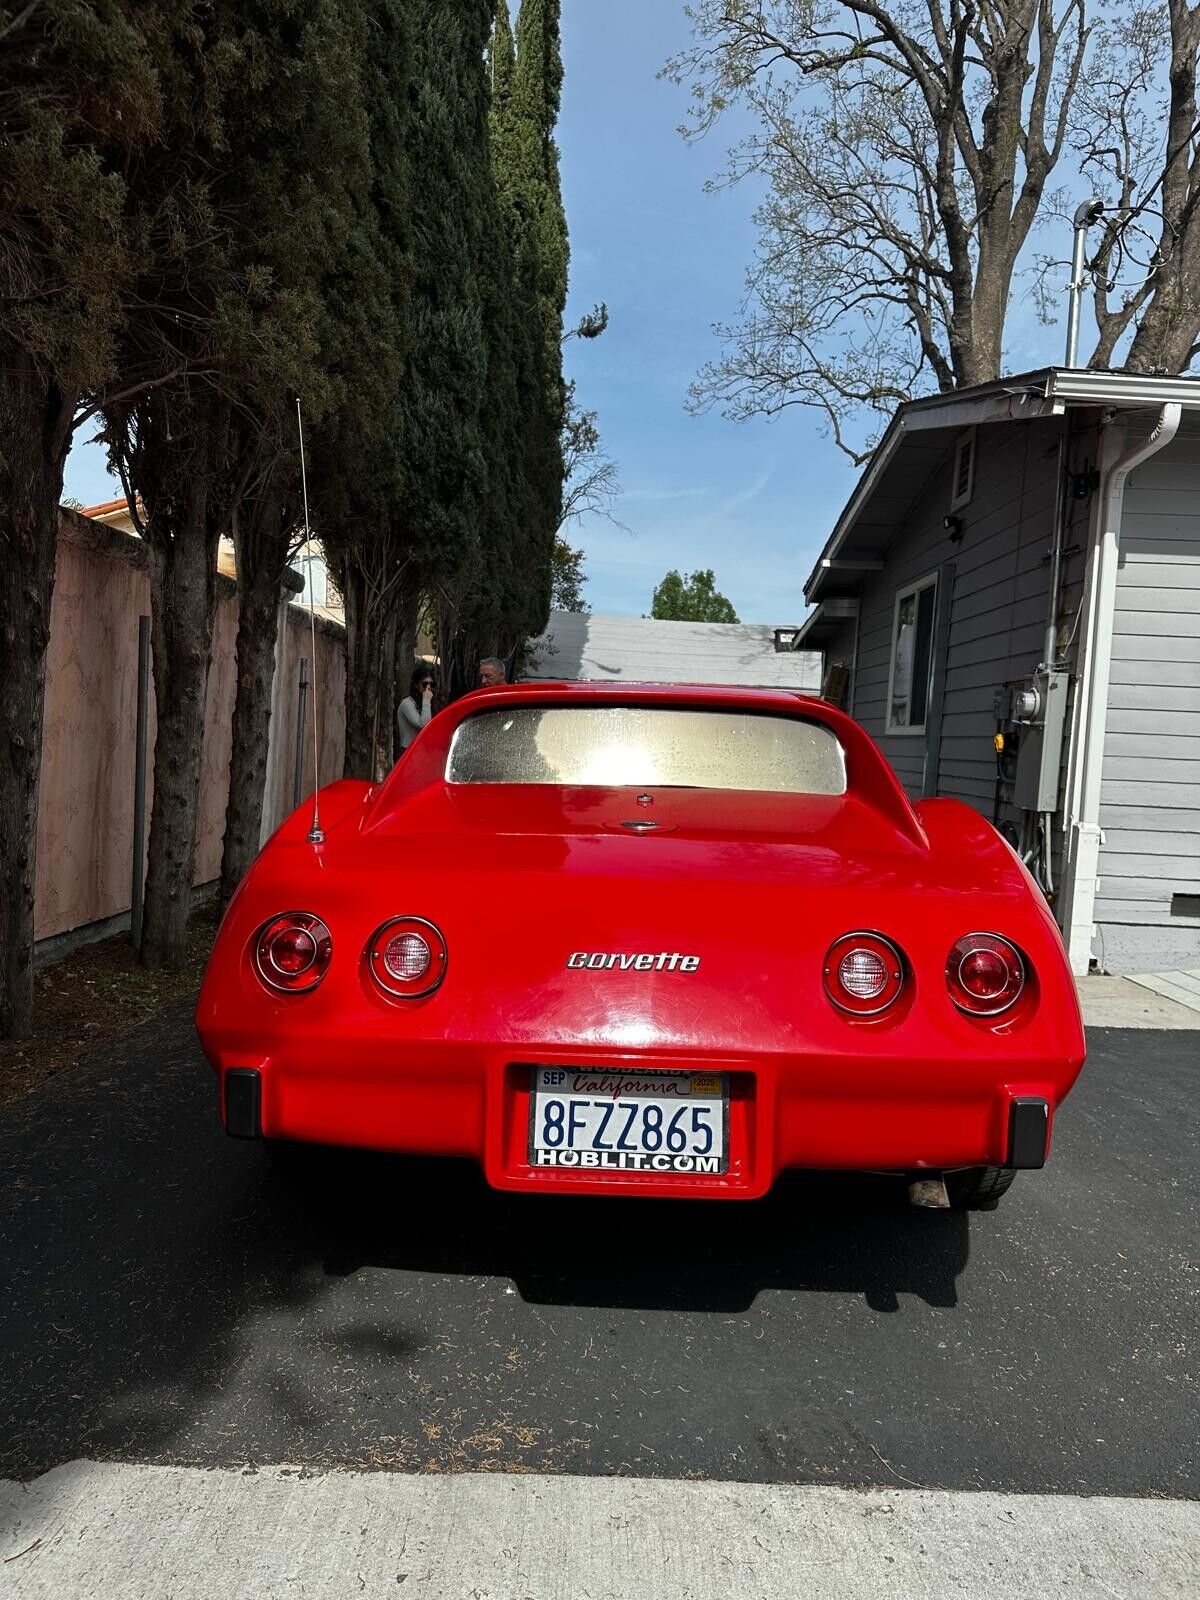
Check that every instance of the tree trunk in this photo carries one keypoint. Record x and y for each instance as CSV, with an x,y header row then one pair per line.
x,y
358,711
1166,336
262,548
460,664
1169,325
383,740
34,436
183,589
370,675
407,631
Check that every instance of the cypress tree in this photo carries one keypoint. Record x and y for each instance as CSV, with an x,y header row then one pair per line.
x,y
455,378
357,481
533,116
303,173
475,608
513,356
80,99
261,113
502,63
526,97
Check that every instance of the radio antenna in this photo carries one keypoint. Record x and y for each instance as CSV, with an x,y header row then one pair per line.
x,y
315,835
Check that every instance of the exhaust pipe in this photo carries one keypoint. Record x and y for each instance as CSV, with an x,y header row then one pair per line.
x,y
929,1192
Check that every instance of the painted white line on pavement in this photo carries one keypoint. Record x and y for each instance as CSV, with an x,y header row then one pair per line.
x,y
169,1533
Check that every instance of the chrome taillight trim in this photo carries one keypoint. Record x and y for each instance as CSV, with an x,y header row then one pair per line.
x,y
310,923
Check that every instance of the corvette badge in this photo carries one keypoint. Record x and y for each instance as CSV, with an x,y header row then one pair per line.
x,y
611,961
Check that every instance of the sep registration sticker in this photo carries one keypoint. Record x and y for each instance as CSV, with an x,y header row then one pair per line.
x,y
660,1122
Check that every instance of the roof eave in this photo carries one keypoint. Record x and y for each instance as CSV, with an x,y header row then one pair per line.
x,y
1008,400
825,620
1076,386
1046,392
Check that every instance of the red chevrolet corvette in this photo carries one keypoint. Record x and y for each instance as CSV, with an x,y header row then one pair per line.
x,y
614,939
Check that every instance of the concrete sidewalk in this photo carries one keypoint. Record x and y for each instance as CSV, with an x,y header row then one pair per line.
x,y
1149,1001
168,1533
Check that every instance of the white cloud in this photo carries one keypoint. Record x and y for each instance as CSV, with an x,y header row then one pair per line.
x,y
743,497
663,495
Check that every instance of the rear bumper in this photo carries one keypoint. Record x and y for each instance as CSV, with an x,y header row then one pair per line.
x,y
880,1113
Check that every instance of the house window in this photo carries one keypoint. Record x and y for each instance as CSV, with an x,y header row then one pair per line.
x,y
312,570
962,482
912,656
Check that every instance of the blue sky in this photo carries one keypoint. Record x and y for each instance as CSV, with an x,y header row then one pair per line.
x,y
753,501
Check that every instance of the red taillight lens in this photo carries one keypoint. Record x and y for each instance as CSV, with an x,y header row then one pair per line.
x,y
407,957
864,974
292,952
985,974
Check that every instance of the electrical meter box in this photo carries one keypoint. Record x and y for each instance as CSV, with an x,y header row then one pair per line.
x,y
1040,708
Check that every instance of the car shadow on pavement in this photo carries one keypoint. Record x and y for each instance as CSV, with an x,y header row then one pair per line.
x,y
815,1232
165,1295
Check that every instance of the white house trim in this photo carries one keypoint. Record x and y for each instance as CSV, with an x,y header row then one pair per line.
x,y
1083,819
916,588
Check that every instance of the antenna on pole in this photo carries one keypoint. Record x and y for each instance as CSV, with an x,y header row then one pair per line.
x,y
315,835
1086,216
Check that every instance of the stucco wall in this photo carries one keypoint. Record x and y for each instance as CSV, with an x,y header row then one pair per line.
x,y
85,812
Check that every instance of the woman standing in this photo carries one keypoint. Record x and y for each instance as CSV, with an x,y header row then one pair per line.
x,y
416,708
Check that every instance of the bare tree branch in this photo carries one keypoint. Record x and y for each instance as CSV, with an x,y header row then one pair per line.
x,y
592,482
908,148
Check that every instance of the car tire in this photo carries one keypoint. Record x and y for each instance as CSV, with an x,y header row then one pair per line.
x,y
978,1188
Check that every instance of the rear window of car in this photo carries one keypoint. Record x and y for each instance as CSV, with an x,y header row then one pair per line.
x,y
645,747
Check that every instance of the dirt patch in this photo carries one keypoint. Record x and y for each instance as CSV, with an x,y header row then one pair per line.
x,y
95,995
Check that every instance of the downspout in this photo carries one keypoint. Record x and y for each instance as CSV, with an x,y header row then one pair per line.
x,y
1084,821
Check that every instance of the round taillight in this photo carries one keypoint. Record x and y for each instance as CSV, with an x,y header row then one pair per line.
x,y
292,952
985,974
864,974
407,957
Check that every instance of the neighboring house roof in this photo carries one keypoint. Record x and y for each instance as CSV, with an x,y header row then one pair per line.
x,y
916,441
116,514
645,650
106,512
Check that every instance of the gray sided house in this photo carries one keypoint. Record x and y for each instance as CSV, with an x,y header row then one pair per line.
x,y
1010,604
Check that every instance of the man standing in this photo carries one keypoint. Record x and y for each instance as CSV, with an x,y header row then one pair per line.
x,y
492,673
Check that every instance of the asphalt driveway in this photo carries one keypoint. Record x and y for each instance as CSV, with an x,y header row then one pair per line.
x,y
164,1299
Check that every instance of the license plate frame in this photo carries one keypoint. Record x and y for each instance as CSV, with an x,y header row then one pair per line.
x,y
706,1089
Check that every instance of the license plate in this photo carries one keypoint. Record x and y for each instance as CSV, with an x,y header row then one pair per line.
x,y
659,1122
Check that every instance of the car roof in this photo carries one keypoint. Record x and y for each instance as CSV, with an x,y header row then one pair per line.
x,y
715,696
620,688
870,776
